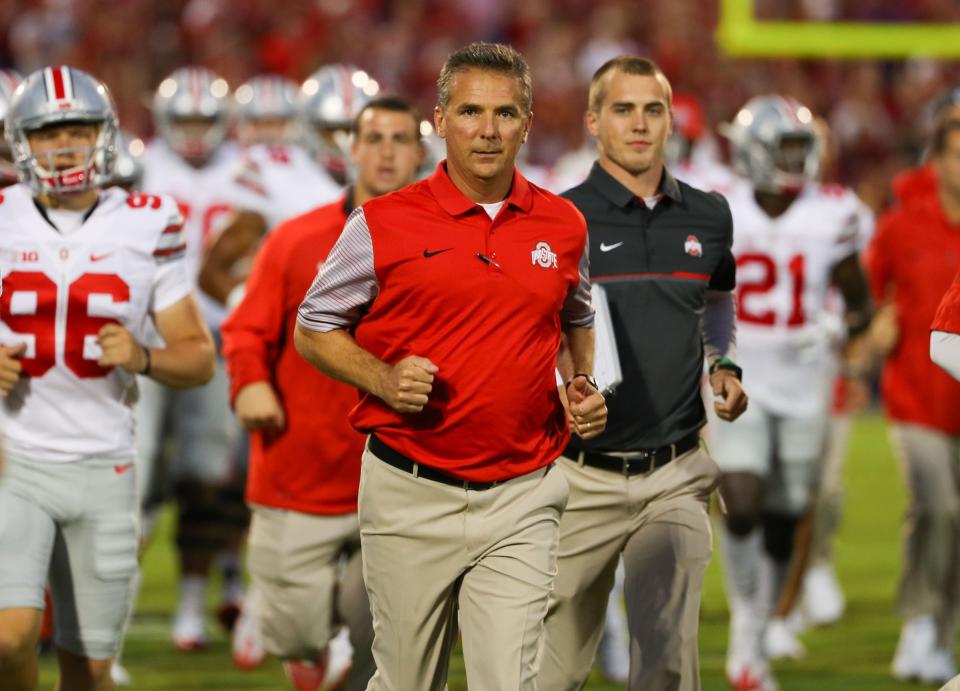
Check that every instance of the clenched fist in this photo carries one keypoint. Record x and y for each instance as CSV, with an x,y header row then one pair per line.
x,y
586,408
120,350
258,408
406,386
10,366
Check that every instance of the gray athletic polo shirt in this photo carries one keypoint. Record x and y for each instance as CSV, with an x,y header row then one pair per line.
x,y
656,266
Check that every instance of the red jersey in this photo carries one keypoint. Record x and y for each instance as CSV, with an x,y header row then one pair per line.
x,y
480,298
914,183
947,317
913,258
313,466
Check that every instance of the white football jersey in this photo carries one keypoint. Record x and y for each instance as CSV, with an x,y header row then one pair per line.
x,y
709,176
122,264
785,328
205,200
280,182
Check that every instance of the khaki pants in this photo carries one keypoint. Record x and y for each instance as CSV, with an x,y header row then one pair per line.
x,y
430,549
930,583
308,571
660,523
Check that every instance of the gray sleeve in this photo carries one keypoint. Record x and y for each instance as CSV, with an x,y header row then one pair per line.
x,y
346,283
720,326
578,307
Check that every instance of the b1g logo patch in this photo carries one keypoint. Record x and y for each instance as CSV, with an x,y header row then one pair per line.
x,y
693,247
543,256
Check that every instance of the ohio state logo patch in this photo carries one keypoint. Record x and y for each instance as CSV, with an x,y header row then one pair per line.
x,y
693,247
543,256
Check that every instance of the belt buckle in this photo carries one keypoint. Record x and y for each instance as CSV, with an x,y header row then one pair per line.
x,y
640,456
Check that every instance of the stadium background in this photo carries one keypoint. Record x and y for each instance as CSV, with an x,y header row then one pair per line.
x,y
877,109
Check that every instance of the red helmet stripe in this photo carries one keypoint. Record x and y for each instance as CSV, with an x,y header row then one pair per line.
x,y
59,90
347,91
196,87
267,85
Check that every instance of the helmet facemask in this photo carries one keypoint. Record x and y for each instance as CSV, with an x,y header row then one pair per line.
x,y
190,111
41,171
791,161
195,139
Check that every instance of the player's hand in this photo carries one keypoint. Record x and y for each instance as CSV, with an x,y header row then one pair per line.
x,y
10,366
120,350
259,409
587,409
406,386
727,387
856,396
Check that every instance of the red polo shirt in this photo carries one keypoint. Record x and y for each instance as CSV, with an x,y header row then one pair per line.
x,y
947,317
313,466
915,182
914,257
492,326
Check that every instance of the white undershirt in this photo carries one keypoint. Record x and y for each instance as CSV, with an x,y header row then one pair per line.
x,y
945,351
66,220
651,202
493,209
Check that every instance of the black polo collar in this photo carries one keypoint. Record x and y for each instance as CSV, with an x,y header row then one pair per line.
x,y
610,188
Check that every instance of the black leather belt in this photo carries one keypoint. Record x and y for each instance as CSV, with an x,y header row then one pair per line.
x,y
638,463
401,462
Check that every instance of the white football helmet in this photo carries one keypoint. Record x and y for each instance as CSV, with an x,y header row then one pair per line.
x,y
58,95
774,143
265,109
128,168
190,109
330,100
9,81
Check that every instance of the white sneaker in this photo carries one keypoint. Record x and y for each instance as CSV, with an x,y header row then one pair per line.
x,y
750,675
119,674
745,640
779,641
188,631
939,667
339,661
822,596
246,644
917,641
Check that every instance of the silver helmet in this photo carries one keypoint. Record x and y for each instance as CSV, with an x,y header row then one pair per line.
x,y
266,97
330,100
51,96
190,109
128,168
9,81
774,143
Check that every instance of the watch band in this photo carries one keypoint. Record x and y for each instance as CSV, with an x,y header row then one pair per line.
x,y
589,377
729,365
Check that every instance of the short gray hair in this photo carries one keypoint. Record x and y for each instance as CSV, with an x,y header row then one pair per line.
x,y
492,57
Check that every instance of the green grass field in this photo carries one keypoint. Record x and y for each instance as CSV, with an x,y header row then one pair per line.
x,y
851,656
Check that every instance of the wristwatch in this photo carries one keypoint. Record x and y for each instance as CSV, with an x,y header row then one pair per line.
x,y
727,364
589,377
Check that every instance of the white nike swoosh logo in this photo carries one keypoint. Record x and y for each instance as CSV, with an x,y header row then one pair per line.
x,y
607,248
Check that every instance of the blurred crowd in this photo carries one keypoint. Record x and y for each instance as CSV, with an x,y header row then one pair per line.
x,y
878,110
